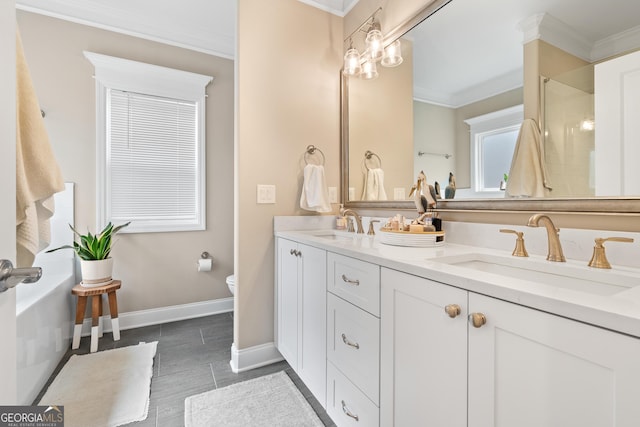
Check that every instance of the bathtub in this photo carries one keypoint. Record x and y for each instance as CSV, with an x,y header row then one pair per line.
x,y
45,309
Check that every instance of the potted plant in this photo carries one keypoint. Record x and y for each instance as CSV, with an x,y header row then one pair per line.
x,y
94,250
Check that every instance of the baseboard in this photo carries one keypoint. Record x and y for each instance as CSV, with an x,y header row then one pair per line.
x,y
253,357
155,316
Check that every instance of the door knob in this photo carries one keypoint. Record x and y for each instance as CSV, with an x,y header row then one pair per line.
x,y
477,319
453,310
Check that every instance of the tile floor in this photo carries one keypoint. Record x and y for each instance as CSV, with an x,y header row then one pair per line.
x,y
192,357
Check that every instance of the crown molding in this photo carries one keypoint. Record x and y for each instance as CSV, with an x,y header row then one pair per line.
x,y
135,22
555,32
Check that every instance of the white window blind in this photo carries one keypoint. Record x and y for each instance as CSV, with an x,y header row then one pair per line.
x,y
152,157
150,144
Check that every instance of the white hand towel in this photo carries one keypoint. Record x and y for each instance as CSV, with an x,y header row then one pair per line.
x,y
38,176
374,185
527,175
315,195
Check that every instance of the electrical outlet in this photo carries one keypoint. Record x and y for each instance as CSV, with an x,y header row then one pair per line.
x,y
398,193
266,194
352,193
333,195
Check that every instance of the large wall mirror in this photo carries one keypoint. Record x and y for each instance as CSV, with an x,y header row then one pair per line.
x,y
472,72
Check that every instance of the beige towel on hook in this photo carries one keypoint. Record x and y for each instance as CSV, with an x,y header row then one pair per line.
x,y
527,175
315,195
38,175
374,185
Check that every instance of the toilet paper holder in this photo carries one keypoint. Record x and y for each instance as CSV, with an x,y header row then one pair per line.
x,y
205,255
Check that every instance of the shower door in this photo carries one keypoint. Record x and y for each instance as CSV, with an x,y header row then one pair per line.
x,y
8,365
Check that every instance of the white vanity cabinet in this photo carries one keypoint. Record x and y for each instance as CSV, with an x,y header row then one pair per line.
x,y
301,312
423,371
528,368
517,367
353,341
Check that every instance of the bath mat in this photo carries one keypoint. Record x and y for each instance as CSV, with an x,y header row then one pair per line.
x,y
107,389
268,401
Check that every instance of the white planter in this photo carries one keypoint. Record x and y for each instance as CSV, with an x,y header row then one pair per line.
x,y
96,273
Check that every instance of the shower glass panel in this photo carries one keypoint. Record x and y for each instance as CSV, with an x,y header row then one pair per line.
x,y
569,137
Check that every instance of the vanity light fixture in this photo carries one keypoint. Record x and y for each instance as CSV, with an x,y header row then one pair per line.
x,y
373,42
351,61
365,65
392,55
369,70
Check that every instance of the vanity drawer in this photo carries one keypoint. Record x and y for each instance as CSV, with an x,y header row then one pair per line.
x,y
353,344
346,404
355,281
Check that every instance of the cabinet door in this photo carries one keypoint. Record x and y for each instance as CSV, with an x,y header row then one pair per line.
x,y
423,360
312,297
287,301
530,369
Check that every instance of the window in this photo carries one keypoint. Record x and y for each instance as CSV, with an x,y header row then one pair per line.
x,y
150,145
493,139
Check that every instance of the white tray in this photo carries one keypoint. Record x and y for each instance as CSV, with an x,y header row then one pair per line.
x,y
426,239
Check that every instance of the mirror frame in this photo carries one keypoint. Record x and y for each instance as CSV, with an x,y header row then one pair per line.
x,y
595,205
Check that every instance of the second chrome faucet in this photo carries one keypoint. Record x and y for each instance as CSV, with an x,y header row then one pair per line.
x,y
555,248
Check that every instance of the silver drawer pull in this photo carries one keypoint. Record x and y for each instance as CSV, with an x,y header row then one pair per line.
x,y
348,412
350,281
349,343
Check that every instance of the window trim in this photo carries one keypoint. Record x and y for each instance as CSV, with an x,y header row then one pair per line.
x,y
502,120
127,75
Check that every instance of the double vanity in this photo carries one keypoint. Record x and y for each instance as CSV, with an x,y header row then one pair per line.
x,y
457,335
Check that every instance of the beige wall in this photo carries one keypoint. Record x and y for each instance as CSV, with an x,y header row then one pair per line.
x,y
543,59
288,62
381,120
157,269
434,132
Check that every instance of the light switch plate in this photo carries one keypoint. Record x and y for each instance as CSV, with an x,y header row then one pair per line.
x,y
352,193
333,195
266,194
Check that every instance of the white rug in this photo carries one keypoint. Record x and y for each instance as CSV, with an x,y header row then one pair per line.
x,y
104,389
268,401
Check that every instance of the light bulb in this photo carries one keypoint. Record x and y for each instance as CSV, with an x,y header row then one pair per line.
x,y
351,63
392,55
369,70
373,42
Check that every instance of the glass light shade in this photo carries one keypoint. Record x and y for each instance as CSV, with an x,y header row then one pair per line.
x,y
373,43
351,62
392,55
369,70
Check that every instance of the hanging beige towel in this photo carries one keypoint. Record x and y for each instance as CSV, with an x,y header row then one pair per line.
x,y
527,176
38,176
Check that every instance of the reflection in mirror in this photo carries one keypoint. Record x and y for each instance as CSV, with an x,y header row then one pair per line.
x,y
467,62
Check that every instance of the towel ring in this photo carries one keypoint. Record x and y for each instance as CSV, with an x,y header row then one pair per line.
x,y
368,155
311,150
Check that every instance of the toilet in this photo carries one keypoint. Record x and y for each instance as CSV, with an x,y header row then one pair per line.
x,y
231,283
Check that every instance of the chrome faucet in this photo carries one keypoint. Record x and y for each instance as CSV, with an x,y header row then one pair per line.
x,y
10,277
555,248
358,218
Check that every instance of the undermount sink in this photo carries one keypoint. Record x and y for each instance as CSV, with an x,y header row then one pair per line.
x,y
337,235
557,274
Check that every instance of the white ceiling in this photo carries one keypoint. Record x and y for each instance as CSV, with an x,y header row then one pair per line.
x,y
203,25
472,49
467,51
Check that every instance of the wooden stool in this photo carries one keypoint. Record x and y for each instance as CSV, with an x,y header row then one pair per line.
x,y
96,312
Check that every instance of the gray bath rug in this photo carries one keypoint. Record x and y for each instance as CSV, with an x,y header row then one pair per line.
x,y
272,400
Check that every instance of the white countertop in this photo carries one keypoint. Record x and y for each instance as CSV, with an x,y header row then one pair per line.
x,y
619,312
